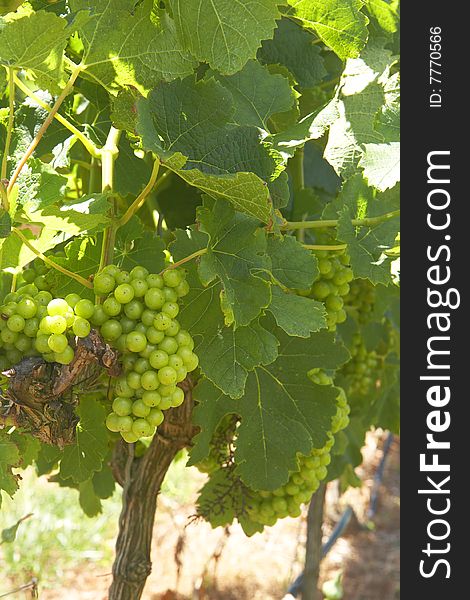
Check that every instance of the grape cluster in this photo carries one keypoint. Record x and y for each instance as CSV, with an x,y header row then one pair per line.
x,y
360,300
138,317
332,284
267,507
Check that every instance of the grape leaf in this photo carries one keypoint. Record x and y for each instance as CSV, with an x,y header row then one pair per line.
x,y
381,165
36,41
103,482
226,354
224,498
292,265
82,258
385,13
135,246
9,458
224,34
366,245
297,315
339,23
236,252
187,124
86,456
282,411
89,501
124,46
295,48
257,94
39,185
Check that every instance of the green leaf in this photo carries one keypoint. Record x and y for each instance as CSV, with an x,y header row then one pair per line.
x,y
104,483
89,501
135,246
292,265
257,94
5,224
385,14
124,46
295,48
86,456
224,34
236,252
297,315
381,165
40,185
311,127
187,123
362,98
36,41
9,458
366,245
282,411
339,23
82,258
224,498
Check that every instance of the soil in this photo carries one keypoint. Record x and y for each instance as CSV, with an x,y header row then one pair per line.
x,y
191,561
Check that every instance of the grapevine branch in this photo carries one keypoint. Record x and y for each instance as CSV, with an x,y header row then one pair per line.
x,y
11,116
139,201
42,130
366,222
50,262
186,259
325,246
89,145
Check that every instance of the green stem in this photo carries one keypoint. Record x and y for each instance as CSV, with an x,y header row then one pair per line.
x,y
139,201
50,262
325,247
11,118
42,130
366,222
89,145
109,154
297,174
186,259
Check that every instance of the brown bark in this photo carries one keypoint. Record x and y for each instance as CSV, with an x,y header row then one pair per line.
x,y
313,553
141,479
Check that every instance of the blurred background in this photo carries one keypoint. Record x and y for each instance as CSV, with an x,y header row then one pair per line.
x,y
71,555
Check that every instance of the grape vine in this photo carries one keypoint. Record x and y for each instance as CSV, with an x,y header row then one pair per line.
x,y
199,248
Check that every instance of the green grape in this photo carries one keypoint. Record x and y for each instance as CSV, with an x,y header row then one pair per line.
x,y
139,272
147,317
133,380
72,300
43,298
140,287
151,398
124,293
111,270
23,343
154,298
172,277
16,323
162,322
29,275
140,327
173,329
58,342
155,281
14,356
165,403
175,361
129,437
111,330
103,284
122,277
125,424
99,316
111,307
150,380
122,406
147,351
56,324
123,389
65,357
155,417
141,365
159,359
182,289
136,341
27,308
58,307
31,327
112,422
142,428
170,295
134,310
178,397
183,338
168,345
41,344
81,327
84,308
140,409
171,309
167,375
8,336
154,336
127,324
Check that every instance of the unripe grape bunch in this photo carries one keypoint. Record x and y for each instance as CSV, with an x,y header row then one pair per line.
x,y
137,316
